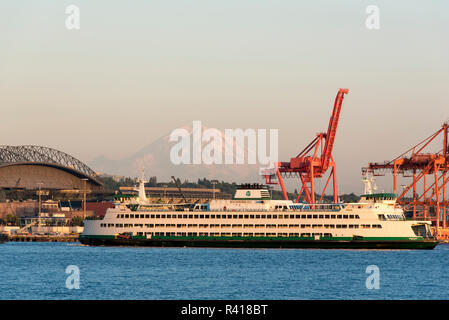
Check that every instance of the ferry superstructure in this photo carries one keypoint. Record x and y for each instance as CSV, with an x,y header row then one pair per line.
x,y
253,220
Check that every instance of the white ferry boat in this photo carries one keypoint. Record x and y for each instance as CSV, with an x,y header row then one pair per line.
x,y
253,220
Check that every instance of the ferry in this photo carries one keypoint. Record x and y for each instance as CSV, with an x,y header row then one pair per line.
x,y
253,220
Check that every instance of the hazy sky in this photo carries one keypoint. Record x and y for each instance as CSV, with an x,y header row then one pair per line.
x,y
136,70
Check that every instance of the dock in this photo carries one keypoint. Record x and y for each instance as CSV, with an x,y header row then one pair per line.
x,y
42,238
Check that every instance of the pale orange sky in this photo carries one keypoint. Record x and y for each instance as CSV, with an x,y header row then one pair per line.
x,y
135,72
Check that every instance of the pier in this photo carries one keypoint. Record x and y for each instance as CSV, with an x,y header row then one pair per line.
x,y
42,238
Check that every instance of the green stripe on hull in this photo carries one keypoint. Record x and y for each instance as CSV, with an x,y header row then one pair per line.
x,y
263,242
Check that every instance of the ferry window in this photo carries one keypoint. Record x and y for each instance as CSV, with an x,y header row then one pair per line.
x,y
201,216
281,216
179,216
345,216
152,216
333,216
351,216
339,216
184,216
315,216
298,216
127,216
158,216
309,216
147,216
246,216
275,216
190,216
196,216
292,216
240,216
229,216
163,216
207,216
321,216
326,216
234,216
357,216
251,216
257,216
263,216
212,216
223,216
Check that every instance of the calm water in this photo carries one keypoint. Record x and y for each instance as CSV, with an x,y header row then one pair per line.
x,y
37,271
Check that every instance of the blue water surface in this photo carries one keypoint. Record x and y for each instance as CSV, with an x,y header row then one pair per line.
x,y
38,271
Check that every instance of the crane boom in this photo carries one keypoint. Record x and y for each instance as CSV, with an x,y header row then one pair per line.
x,y
313,161
332,129
179,188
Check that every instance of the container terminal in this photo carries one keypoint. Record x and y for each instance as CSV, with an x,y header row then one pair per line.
x,y
48,193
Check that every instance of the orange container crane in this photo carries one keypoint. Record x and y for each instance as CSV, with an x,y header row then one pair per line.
x,y
418,165
312,162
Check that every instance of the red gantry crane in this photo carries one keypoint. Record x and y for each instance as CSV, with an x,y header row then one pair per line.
x,y
312,162
420,165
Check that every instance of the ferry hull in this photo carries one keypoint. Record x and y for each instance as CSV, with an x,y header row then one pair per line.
x,y
265,243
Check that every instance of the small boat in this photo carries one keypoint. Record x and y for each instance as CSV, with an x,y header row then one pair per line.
x,y
4,237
